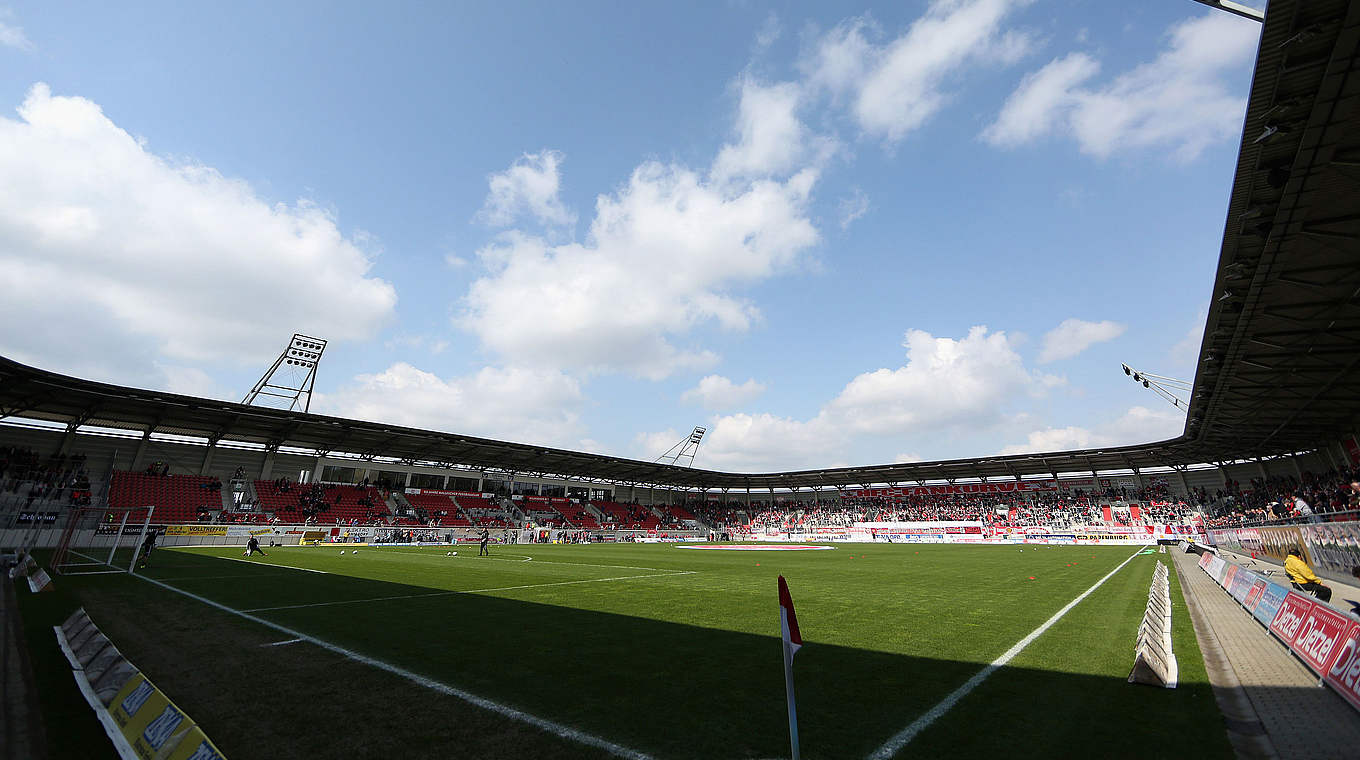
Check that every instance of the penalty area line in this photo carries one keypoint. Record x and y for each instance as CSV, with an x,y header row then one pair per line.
x,y
903,738
550,726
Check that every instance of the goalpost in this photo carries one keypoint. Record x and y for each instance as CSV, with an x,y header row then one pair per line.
x,y
102,540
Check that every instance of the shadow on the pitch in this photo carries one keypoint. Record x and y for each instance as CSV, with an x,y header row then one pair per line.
x,y
676,690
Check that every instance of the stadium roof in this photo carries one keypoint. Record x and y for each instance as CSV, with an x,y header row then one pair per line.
x,y
1279,367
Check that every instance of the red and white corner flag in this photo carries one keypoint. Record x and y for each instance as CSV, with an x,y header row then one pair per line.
x,y
793,640
788,620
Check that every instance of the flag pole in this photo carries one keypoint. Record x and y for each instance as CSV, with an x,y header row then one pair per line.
x,y
788,694
792,640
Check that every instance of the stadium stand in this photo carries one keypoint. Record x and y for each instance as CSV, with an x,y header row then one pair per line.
x,y
322,504
438,509
177,498
627,516
483,512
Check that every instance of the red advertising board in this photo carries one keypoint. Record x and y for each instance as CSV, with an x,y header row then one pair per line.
x,y
1228,577
1319,638
1344,674
1293,611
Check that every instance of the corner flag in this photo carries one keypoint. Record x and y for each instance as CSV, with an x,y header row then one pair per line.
x,y
793,640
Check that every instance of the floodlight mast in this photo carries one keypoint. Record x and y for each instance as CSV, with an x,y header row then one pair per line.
x,y
1166,387
292,375
685,450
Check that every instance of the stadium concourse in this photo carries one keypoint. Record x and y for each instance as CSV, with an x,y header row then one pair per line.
x,y
1010,587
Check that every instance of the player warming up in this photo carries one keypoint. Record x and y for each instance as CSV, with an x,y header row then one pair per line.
x,y
486,536
148,546
253,547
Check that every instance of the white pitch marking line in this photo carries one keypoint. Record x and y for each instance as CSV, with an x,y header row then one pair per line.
x,y
539,561
435,554
468,591
271,564
281,643
552,727
904,737
207,577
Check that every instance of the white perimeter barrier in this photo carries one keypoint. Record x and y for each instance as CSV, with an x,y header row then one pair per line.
x,y
140,720
1153,661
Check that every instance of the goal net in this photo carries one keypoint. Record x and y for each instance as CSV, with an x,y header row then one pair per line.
x,y
102,540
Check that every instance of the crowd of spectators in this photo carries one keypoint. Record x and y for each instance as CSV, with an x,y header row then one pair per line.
x,y
30,476
1061,509
1310,498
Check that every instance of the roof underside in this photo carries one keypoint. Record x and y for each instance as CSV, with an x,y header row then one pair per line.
x,y
1278,364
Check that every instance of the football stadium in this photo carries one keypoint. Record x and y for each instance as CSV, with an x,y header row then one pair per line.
x,y
191,577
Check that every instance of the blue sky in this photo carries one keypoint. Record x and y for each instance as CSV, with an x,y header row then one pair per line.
x,y
832,234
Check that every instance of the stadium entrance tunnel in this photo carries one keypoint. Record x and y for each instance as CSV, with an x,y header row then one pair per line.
x,y
663,688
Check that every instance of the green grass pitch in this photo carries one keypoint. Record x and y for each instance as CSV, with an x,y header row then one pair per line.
x,y
673,653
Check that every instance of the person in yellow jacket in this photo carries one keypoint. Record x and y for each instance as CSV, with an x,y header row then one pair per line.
x,y
1300,573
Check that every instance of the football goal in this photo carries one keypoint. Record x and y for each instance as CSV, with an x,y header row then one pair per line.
x,y
102,540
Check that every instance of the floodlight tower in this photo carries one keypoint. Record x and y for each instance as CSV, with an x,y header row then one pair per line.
x,y
1166,387
685,449
292,375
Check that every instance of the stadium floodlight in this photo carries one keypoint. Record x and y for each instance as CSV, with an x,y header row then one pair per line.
x,y
1237,9
292,375
683,452
1166,387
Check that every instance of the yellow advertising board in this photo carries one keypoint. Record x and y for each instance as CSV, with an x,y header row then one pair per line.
x,y
196,530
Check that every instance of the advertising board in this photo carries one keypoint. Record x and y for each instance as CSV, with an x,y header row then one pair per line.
x,y
1319,638
1268,606
1344,674
1293,611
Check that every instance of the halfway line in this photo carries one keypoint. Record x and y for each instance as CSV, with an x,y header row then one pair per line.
x,y
904,737
552,727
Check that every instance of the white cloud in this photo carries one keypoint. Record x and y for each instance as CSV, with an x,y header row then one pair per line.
x,y
945,384
1041,101
13,36
529,187
523,405
764,442
192,381
1185,353
852,208
1180,100
893,88
422,343
116,260
660,259
1073,336
718,392
1138,425
769,32
771,139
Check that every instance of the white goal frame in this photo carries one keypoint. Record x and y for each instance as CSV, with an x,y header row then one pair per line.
x,y
71,557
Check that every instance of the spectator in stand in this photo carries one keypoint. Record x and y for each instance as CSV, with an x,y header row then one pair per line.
x,y
1302,575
